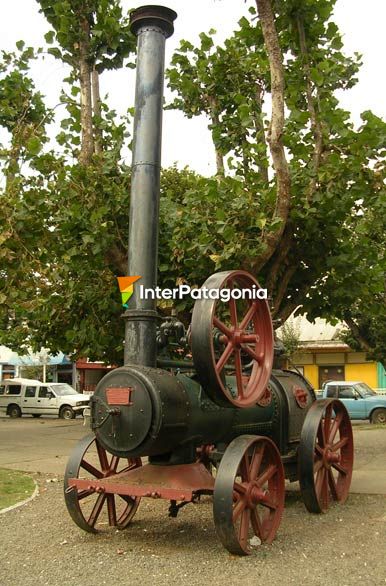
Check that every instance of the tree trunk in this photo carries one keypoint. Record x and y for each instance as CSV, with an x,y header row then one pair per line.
x,y
87,144
356,332
216,122
275,133
260,133
96,102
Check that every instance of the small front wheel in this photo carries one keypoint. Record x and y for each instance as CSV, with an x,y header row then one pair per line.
x,y
378,416
67,412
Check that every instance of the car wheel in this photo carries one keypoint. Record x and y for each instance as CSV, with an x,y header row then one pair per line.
x,y
378,416
36,415
14,411
67,412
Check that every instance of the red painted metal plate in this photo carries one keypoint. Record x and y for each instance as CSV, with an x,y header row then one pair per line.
x,y
179,482
119,395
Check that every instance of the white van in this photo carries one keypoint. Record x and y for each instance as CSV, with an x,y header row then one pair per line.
x,y
23,396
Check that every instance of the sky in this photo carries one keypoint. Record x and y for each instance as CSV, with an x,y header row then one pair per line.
x,y
188,142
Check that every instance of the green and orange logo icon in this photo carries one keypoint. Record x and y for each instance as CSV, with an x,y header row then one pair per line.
x,y
126,287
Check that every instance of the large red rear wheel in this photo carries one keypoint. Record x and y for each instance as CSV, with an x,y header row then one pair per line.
x,y
326,455
248,499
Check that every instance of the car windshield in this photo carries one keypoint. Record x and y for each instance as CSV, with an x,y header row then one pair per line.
x,y
63,389
365,390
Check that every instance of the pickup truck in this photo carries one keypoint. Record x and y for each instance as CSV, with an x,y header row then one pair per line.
x,y
359,399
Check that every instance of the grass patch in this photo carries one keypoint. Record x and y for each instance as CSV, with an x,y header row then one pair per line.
x,y
15,486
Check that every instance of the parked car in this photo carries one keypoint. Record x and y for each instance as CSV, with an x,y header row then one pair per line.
x,y
359,399
22,396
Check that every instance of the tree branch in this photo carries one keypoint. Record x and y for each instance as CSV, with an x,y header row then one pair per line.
x,y
96,103
87,145
282,288
216,122
279,257
283,313
355,330
315,123
275,132
259,129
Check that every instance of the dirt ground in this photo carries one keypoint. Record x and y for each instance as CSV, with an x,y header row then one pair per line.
x,y
42,546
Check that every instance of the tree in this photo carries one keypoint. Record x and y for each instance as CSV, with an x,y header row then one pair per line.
x,y
294,225
295,194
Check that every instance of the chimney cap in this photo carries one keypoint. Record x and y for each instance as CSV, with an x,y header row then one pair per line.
x,y
153,15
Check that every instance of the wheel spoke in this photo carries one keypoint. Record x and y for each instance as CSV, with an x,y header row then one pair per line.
x,y
324,494
224,357
249,338
340,444
327,422
239,488
96,510
339,468
238,509
133,464
91,469
102,457
256,524
320,435
266,475
82,494
319,481
129,500
335,426
222,327
248,316
256,460
233,312
270,504
332,485
244,468
239,374
111,510
114,464
317,466
252,353
244,527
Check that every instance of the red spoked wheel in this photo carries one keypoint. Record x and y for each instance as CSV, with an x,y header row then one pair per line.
x,y
326,455
90,510
232,337
248,499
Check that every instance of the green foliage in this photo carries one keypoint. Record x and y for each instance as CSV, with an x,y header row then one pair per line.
x,y
111,40
65,225
290,336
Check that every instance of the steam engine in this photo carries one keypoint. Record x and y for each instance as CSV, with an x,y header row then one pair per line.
x,y
227,422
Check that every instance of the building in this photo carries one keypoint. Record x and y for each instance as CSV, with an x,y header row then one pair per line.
x,y
58,368
322,356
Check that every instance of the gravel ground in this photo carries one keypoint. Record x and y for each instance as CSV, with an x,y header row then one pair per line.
x,y
40,545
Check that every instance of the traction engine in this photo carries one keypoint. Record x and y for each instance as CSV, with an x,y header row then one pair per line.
x,y
229,422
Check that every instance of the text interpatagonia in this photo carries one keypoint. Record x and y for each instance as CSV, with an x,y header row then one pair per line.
x,y
202,293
